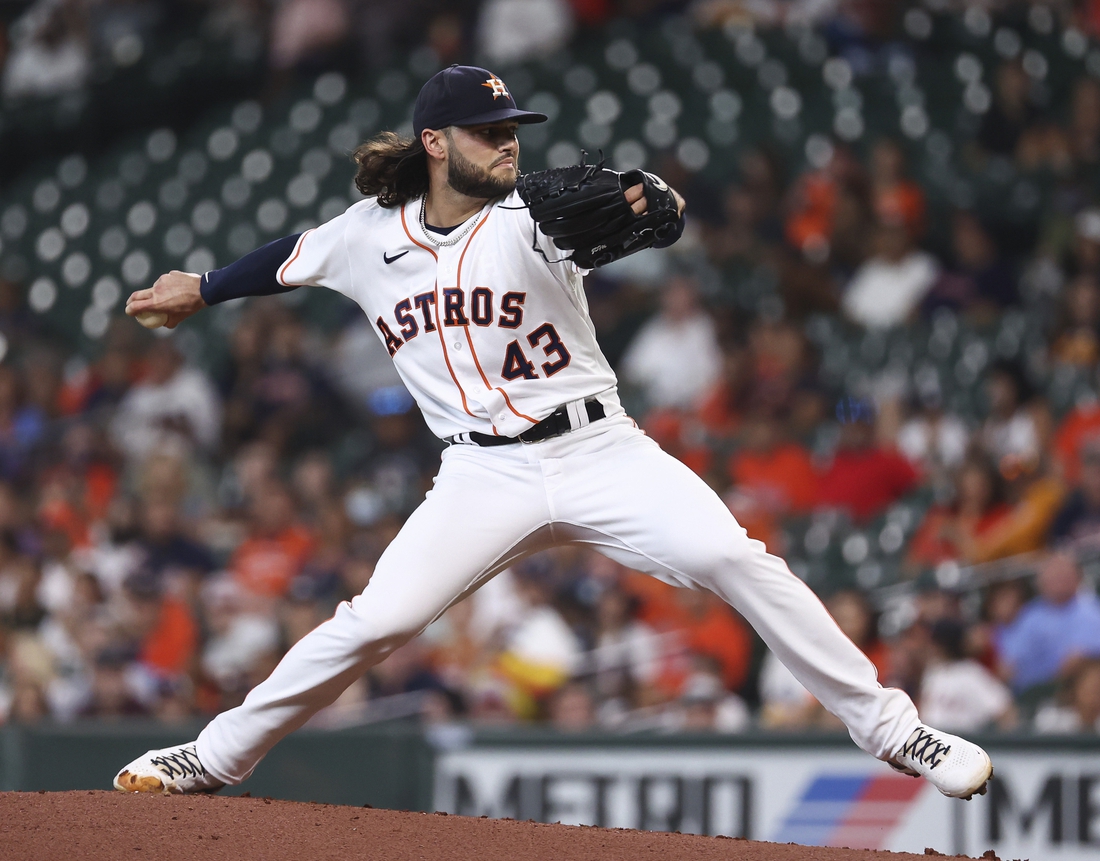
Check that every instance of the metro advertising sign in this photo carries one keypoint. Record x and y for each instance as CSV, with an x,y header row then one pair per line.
x,y
1041,804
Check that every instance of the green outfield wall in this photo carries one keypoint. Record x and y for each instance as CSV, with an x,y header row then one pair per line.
x,y
384,766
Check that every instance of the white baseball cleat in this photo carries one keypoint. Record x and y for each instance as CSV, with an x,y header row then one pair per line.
x,y
956,767
171,770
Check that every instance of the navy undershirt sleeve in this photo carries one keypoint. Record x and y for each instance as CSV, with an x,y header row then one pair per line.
x,y
255,274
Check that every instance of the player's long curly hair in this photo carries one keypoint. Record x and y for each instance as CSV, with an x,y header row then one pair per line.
x,y
393,168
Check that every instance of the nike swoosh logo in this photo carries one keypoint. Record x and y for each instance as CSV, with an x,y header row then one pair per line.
x,y
389,259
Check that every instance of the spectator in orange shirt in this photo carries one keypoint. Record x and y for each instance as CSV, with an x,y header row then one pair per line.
x,y
277,547
1079,429
776,471
816,199
711,628
721,409
896,199
863,477
702,623
162,625
772,477
811,223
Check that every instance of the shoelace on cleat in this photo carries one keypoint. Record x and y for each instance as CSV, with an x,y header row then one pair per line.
x,y
183,763
925,748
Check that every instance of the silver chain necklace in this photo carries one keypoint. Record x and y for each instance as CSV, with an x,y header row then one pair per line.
x,y
454,239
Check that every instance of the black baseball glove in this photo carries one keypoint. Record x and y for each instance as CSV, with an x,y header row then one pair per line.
x,y
582,208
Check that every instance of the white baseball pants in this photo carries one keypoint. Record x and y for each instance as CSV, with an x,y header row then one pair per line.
x,y
606,485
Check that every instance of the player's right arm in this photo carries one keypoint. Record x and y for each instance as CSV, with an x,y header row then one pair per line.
x,y
317,257
181,294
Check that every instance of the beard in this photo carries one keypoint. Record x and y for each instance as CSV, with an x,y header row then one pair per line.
x,y
467,178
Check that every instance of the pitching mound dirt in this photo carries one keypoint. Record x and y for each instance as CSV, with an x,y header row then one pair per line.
x,y
108,826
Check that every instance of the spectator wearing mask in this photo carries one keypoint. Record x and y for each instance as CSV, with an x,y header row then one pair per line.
x,y
705,705
1056,630
240,647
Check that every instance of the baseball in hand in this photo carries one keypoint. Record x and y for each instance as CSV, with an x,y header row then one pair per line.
x,y
151,319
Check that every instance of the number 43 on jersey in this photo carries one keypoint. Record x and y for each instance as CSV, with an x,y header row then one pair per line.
x,y
415,315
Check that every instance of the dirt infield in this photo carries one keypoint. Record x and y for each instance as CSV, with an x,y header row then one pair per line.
x,y
108,826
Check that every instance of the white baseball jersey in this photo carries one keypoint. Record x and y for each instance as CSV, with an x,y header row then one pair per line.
x,y
488,334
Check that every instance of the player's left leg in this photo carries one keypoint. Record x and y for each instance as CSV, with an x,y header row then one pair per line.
x,y
486,509
633,502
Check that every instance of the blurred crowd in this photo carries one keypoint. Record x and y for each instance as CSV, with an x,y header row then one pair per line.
x,y
169,529
53,47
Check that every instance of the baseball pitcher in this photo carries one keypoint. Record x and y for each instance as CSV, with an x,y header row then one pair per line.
x,y
471,273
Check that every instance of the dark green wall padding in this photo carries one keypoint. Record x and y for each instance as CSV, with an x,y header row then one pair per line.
x,y
386,765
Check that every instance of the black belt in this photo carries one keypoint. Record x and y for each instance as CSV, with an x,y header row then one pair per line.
x,y
553,425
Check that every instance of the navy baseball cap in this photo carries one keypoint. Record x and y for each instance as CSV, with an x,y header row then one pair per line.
x,y
466,96
853,410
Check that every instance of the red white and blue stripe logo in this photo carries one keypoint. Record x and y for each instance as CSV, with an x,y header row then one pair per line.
x,y
855,810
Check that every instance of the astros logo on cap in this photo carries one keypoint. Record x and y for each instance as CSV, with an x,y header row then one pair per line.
x,y
497,86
